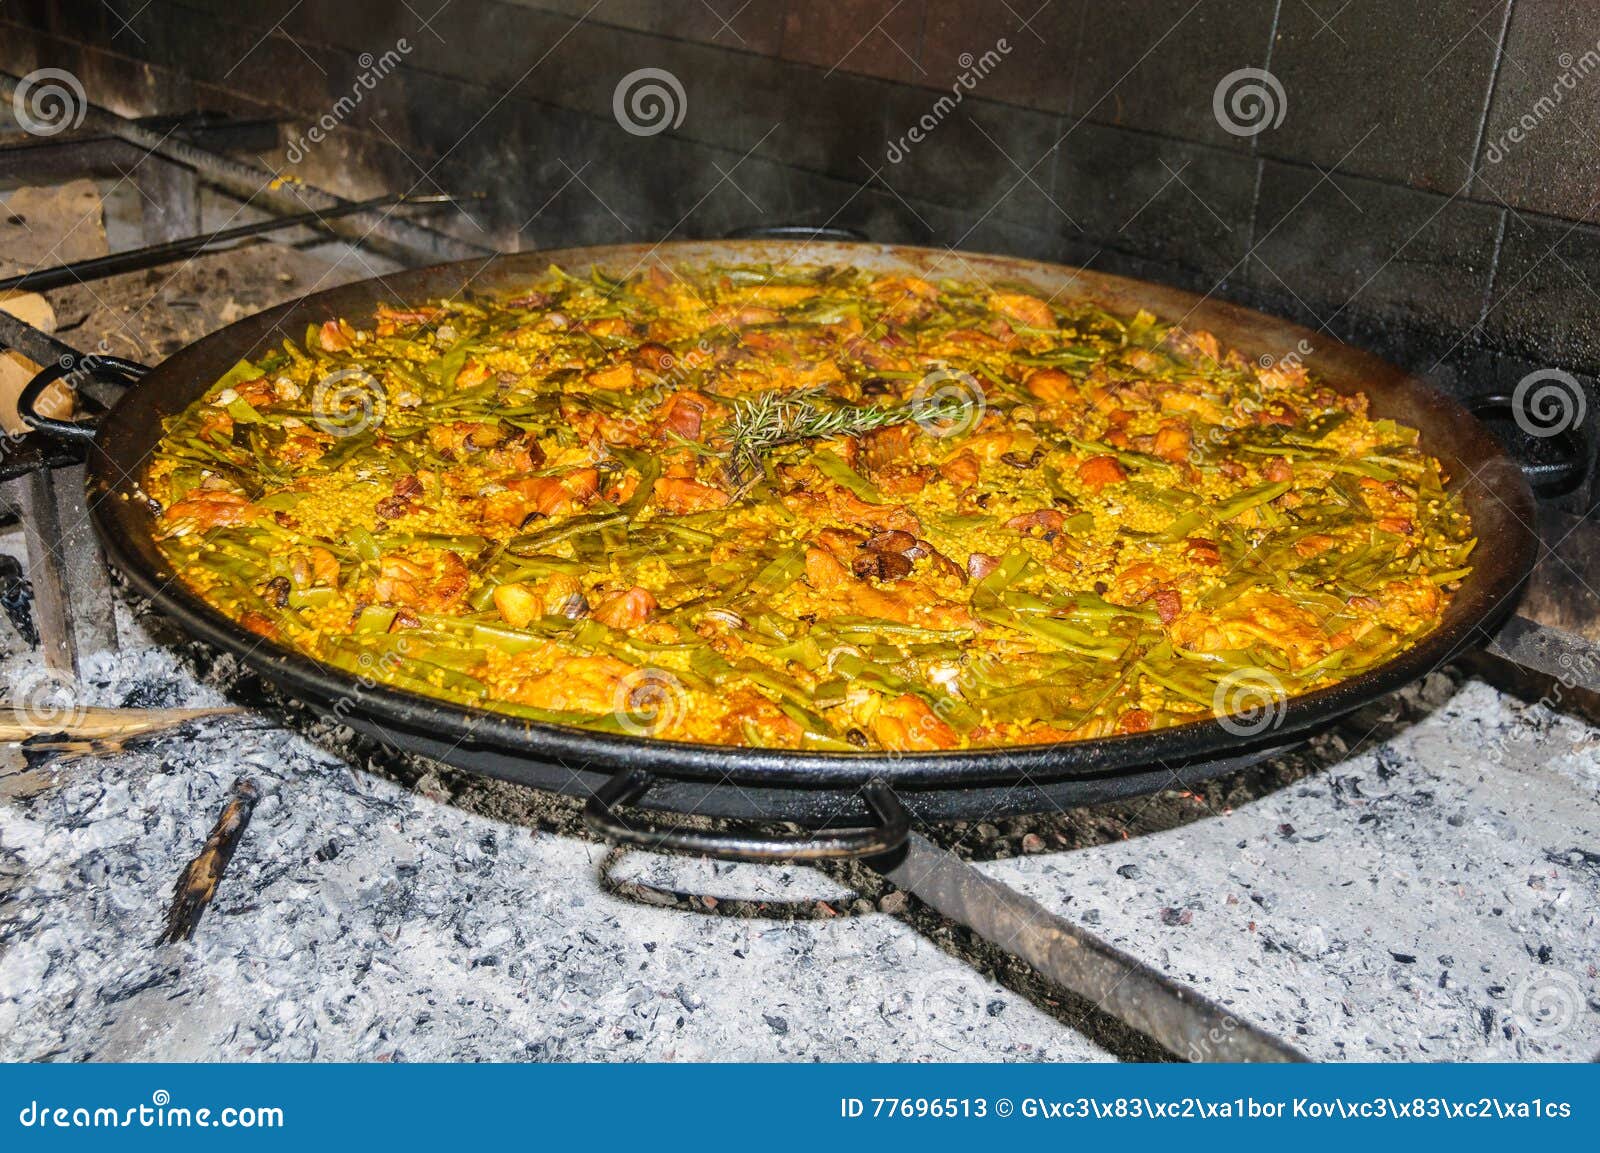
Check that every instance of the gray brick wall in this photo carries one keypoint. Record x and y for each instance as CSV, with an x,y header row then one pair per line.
x,y
1429,190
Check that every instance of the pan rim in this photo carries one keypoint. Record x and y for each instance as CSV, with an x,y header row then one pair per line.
x,y
118,524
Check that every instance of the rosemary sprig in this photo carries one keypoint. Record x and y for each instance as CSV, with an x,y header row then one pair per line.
x,y
764,421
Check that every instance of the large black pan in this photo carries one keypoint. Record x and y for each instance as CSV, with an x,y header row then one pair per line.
x,y
811,787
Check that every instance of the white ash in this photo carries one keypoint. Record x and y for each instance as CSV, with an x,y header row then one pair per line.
x,y
360,920
1414,902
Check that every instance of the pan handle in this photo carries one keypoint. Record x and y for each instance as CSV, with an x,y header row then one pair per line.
x,y
797,232
888,834
75,371
1549,477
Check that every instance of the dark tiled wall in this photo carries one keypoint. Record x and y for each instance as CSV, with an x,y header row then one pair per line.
x,y
1426,187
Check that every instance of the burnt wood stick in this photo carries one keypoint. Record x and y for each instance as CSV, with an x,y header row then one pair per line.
x,y
1186,1023
47,571
198,883
97,724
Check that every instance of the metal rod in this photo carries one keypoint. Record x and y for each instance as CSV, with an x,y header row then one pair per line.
x,y
34,343
153,255
1182,1020
393,236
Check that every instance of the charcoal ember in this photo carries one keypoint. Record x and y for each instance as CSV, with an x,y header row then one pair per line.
x,y
16,598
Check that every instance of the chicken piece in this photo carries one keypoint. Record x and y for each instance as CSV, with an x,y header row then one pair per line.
x,y
908,724
627,609
438,585
1174,441
1134,721
1255,618
742,315
1099,471
1405,602
1196,344
205,509
1046,522
1176,399
606,326
962,470
777,295
316,566
981,564
597,684
823,571
681,495
1051,385
1314,544
834,502
518,604
840,543
1277,412
684,414
752,718
555,495
335,336
1024,309
458,436
884,447
888,287
259,623
472,374
1137,583
616,378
